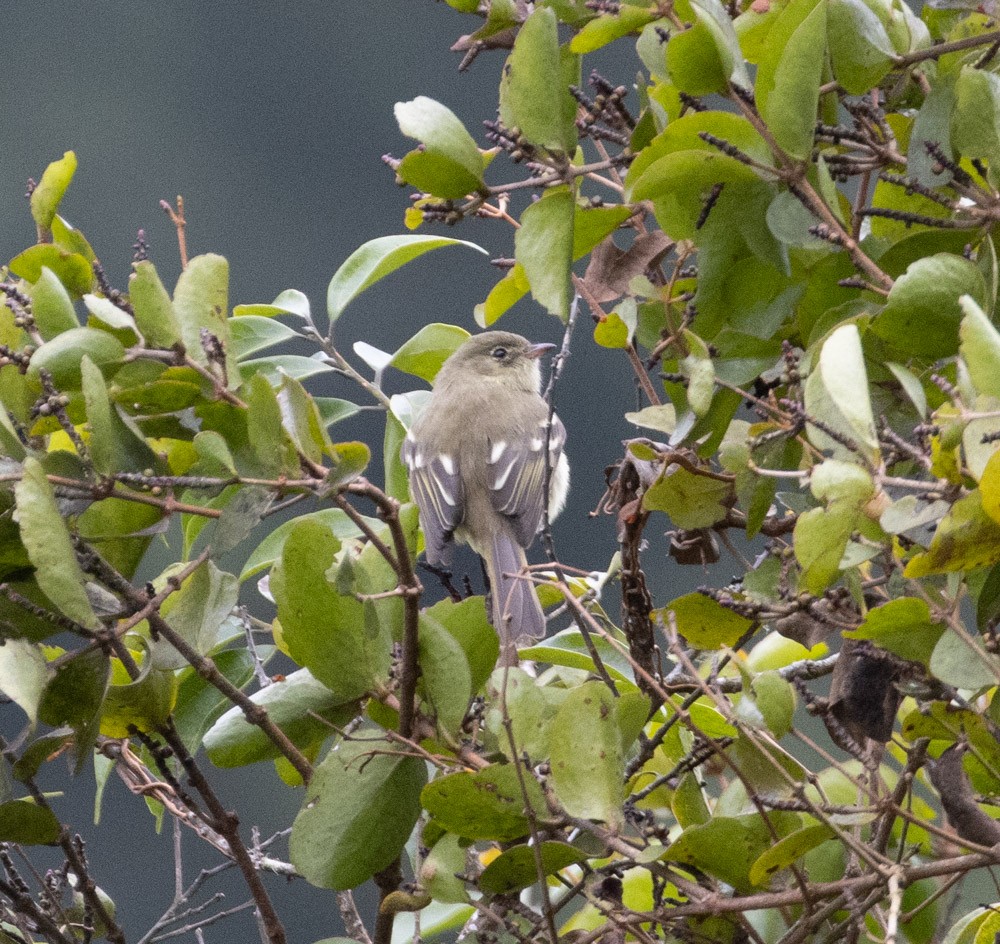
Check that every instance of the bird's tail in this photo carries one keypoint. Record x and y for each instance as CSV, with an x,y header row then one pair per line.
x,y
517,614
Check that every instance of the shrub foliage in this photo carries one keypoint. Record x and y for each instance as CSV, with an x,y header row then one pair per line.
x,y
785,228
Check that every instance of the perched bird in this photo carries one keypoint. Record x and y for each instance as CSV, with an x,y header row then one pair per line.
x,y
476,456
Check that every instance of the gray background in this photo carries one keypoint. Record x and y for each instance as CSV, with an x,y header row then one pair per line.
x,y
270,119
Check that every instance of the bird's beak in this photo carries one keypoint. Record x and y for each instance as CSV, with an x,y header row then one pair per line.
x,y
537,350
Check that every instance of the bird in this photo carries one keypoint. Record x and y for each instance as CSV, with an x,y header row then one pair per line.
x,y
476,457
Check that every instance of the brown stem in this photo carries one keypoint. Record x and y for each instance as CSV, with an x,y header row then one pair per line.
x,y
387,881
227,824
402,563
180,223
969,42
529,812
353,924
637,604
205,667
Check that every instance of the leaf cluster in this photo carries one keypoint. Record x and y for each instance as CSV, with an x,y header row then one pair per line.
x,y
784,230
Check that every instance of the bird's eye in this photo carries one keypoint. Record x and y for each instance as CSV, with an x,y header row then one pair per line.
x,y
499,353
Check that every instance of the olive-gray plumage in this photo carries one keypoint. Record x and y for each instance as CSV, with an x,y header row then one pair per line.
x,y
476,456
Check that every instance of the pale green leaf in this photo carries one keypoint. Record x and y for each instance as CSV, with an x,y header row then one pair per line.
x,y
376,259
47,541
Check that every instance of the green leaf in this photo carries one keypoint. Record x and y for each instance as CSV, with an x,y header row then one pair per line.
x,y
272,446
23,822
989,486
662,418
106,313
252,333
200,704
617,330
326,630
72,269
197,611
440,870
679,183
63,355
836,392
966,538
376,259
470,627
591,225
691,500
445,676
587,754
570,649
821,536
530,707
423,355
23,675
605,29
933,123
728,847
789,75
923,312
47,541
544,247
358,812
51,306
516,869
333,409
49,191
980,347
533,96
292,302
449,164
201,302
707,57
39,751
144,702
976,119
350,459
697,367
397,483
333,519
903,626
74,696
303,708
787,851
774,698
116,443
301,420
912,387
684,134
278,366
833,479
860,49
154,311
488,804
704,623
67,237
956,663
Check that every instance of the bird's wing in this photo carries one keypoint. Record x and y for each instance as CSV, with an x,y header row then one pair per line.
x,y
437,489
516,477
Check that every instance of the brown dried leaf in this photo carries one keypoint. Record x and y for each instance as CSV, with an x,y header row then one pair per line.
x,y
611,269
863,696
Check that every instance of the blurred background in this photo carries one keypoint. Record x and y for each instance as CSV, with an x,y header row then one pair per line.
x,y
270,119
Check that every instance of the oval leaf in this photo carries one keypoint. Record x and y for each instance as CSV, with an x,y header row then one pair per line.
x,y
359,810
376,259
